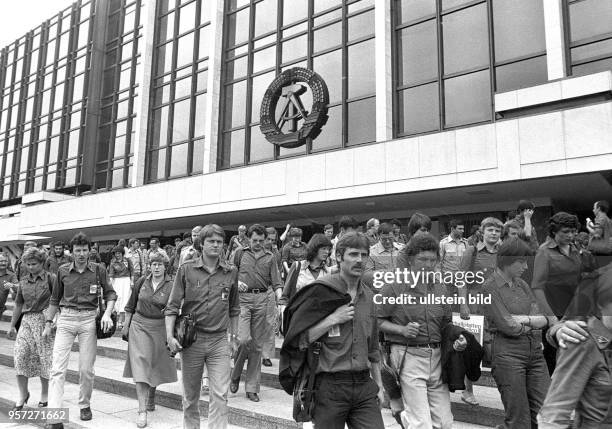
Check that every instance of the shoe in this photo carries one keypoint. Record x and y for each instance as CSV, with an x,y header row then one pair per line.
x,y
205,389
86,414
42,404
234,386
20,407
54,426
151,399
397,415
253,396
142,419
469,399
266,362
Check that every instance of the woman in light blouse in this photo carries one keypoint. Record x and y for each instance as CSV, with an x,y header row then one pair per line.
x,y
33,353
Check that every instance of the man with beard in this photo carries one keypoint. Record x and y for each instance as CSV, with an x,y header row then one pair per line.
x,y
57,258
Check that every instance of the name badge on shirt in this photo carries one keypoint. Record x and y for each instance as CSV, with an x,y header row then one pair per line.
x,y
93,289
225,294
334,331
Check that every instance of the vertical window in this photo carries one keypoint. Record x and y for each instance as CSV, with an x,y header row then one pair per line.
x,y
590,35
264,37
175,143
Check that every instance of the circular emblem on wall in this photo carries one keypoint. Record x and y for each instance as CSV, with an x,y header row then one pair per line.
x,y
283,119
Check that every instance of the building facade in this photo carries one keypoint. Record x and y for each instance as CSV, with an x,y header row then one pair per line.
x,y
142,117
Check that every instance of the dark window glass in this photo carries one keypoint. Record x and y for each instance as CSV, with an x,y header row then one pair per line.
x,y
592,50
419,41
419,109
234,145
160,127
465,36
362,121
165,28
467,99
331,133
521,74
589,18
518,28
592,67
362,73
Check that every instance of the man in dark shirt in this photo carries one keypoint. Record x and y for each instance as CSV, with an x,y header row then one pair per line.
x,y
75,290
258,280
8,282
348,384
293,251
237,241
57,258
207,287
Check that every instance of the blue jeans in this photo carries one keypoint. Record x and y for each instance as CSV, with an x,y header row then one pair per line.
x,y
521,374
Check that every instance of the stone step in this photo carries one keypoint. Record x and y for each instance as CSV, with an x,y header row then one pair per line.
x,y
267,413
116,348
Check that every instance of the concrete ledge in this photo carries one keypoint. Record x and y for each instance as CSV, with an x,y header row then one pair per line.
x,y
44,197
559,90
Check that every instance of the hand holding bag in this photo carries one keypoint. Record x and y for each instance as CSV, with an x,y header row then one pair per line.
x,y
185,330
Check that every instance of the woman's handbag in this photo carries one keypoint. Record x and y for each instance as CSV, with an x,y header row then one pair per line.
x,y
100,333
391,376
185,330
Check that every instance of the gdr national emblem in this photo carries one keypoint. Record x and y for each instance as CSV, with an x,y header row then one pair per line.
x,y
284,120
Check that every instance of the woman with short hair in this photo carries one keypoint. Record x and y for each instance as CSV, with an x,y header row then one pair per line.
x,y
32,353
120,272
307,271
148,361
515,323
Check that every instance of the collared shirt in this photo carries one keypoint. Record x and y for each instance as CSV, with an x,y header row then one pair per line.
x,y
212,296
582,381
291,253
451,251
34,292
53,262
557,274
80,290
150,303
432,317
137,261
356,342
508,298
258,272
381,258
485,260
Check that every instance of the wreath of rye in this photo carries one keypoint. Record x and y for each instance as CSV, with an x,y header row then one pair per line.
x,y
313,122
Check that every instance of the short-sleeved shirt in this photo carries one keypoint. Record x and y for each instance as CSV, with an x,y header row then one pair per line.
x,y
431,317
509,297
80,290
557,274
291,253
137,261
451,251
34,292
258,272
381,258
357,341
53,262
148,302
212,296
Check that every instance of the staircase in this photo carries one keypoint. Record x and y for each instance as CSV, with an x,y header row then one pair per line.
x,y
275,408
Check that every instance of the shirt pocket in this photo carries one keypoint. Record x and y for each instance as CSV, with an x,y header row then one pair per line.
x,y
29,294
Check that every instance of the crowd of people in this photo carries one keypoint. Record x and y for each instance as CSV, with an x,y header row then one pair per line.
x,y
547,334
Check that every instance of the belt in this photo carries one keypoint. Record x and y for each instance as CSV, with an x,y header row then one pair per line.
x,y
347,375
255,291
420,346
